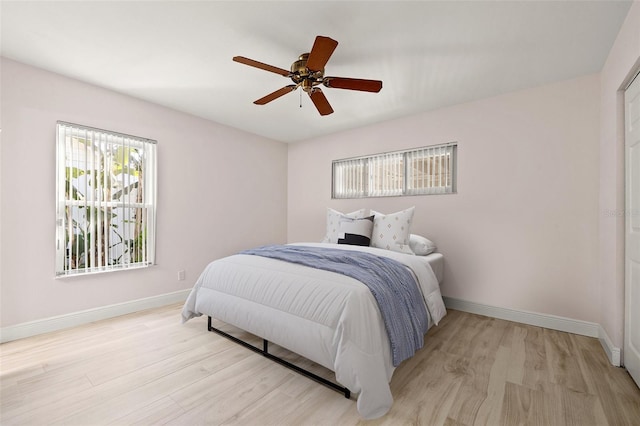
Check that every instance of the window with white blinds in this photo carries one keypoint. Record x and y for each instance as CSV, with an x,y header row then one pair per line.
x,y
105,200
422,171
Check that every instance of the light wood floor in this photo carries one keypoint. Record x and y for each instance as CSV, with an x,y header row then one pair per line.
x,y
147,368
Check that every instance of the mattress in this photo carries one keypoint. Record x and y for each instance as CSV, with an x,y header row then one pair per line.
x,y
436,261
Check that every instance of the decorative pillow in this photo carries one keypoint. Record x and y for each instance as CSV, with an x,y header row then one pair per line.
x,y
391,231
420,245
333,222
356,232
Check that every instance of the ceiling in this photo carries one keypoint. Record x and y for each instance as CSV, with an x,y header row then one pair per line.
x,y
429,54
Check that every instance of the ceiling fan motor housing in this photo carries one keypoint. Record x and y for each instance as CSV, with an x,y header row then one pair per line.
x,y
300,74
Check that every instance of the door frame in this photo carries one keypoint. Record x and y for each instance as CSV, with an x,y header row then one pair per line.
x,y
634,78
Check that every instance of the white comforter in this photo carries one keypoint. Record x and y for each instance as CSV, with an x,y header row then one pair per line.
x,y
326,317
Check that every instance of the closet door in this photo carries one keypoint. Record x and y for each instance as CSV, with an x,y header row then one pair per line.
x,y
632,230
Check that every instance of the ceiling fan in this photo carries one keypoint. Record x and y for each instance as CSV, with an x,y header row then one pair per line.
x,y
308,72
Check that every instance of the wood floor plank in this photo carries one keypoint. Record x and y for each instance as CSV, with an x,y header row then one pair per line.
x,y
321,406
234,395
483,347
428,396
35,409
148,368
489,411
27,397
202,392
127,402
525,406
158,412
132,357
517,355
616,391
580,409
536,371
279,405
560,353
469,329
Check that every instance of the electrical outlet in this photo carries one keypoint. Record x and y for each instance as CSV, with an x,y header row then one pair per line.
x,y
181,275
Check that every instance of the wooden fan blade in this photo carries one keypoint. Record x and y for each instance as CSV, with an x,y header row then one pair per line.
x,y
320,53
353,84
262,66
320,101
275,95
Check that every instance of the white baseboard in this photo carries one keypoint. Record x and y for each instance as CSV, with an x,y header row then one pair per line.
x,y
33,328
552,322
613,353
46,325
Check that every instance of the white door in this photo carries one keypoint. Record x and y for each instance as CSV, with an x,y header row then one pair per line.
x,y
632,231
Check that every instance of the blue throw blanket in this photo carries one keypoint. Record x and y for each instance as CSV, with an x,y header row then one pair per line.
x,y
392,285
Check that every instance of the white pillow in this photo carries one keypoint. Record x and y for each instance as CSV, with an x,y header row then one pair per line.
x,y
420,245
333,223
391,231
355,232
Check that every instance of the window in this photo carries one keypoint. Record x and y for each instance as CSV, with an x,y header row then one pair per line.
x,y
105,200
428,170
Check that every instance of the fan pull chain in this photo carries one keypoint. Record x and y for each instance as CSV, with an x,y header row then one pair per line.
x,y
301,98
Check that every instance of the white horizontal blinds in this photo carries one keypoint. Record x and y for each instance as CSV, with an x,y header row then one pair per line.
x,y
386,175
349,178
105,200
428,170
431,170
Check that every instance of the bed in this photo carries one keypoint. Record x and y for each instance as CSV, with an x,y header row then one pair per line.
x,y
329,318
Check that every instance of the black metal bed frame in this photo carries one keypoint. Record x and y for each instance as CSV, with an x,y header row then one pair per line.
x,y
265,352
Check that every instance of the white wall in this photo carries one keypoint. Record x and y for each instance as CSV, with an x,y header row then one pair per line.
x,y
208,205
622,63
521,232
